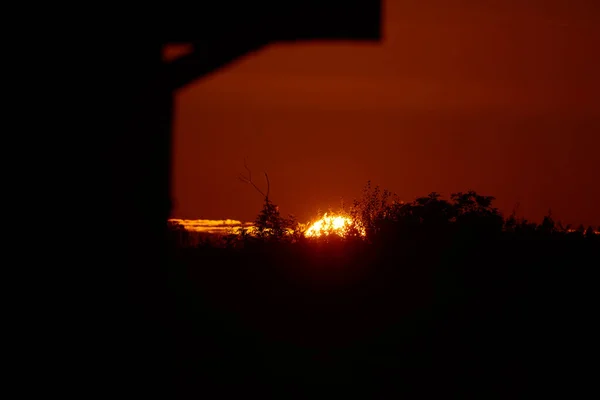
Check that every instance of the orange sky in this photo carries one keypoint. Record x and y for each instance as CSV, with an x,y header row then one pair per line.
x,y
502,97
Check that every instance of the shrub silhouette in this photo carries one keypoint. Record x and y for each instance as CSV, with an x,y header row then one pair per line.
x,y
444,297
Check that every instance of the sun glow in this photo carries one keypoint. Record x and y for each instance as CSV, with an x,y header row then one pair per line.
x,y
332,225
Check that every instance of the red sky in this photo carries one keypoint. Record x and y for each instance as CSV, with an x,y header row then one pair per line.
x,y
502,97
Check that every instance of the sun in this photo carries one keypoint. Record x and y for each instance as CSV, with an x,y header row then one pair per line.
x,y
332,225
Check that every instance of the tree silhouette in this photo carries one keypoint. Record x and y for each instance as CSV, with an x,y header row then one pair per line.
x,y
475,214
269,223
370,209
548,226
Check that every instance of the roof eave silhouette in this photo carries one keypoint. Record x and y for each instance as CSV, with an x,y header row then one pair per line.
x,y
145,84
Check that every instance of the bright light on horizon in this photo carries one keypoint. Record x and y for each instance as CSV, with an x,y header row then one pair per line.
x,y
327,225
210,225
334,225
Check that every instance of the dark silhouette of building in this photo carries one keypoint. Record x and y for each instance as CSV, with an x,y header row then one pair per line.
x,y
141,100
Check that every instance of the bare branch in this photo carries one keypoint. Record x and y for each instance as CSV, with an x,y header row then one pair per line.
x,y
268,185
258,190
248,179
248,169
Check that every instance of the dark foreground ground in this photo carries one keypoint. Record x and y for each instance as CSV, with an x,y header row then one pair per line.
x,y
459,317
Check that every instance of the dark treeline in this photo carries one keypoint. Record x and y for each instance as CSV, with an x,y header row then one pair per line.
x,y
442,297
